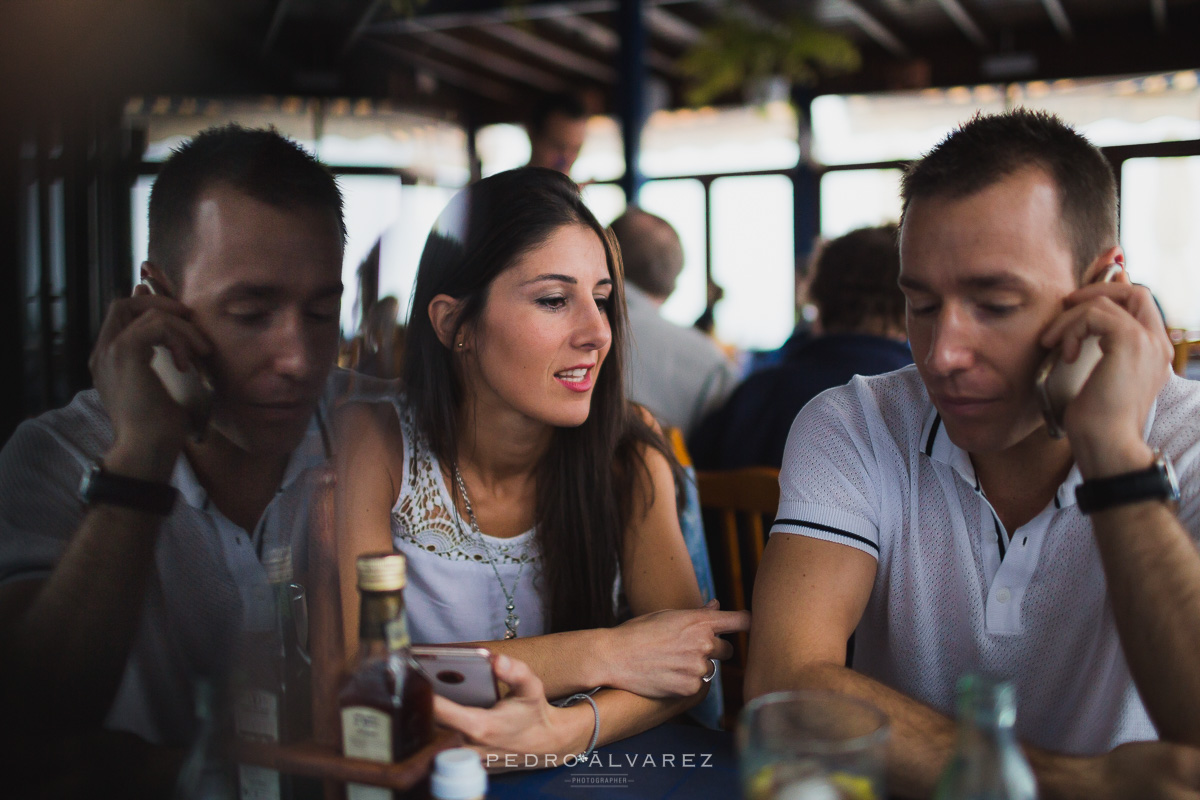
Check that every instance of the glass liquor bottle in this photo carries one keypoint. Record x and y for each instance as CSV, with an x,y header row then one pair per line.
x,y
988,763
205,774
272,679
387,702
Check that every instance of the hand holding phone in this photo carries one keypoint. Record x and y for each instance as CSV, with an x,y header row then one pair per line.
x,y
1058,383
461,674
191,388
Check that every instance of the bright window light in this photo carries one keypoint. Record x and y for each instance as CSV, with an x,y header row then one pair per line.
x,y
754,260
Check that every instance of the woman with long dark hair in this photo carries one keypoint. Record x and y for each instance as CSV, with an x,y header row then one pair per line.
x,y
535,504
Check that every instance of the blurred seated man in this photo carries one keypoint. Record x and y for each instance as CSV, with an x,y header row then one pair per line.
x,y
557,128
115,596
859,331
678,373
929,512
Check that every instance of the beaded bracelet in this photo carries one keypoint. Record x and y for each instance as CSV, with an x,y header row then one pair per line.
x,y
572,700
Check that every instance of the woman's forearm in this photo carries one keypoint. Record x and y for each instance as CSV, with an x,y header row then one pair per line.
x,y
570,662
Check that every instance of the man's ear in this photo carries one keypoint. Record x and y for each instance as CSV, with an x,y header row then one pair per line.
x,y
443,313
1094,271
152,274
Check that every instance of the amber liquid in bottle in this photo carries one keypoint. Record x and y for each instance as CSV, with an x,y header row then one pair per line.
x,y
387,703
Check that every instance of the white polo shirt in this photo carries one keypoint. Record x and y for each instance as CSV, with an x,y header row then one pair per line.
x,y
869,465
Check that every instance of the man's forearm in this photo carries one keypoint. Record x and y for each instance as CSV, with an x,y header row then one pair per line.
x,y
1153,573
65,646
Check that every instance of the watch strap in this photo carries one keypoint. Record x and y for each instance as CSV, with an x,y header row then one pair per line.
x,y
101,487
1156,482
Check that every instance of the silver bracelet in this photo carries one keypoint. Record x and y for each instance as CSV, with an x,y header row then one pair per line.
x,y
572,700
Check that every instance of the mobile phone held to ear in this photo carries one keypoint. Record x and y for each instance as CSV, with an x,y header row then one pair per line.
x,y
461,674
191,388
1058,383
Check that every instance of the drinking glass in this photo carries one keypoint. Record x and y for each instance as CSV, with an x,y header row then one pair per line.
x,y
811,745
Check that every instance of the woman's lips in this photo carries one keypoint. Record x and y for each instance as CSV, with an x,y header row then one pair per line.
x,y
577,379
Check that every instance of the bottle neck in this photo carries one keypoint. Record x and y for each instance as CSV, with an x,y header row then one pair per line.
x,y
987,712
383,624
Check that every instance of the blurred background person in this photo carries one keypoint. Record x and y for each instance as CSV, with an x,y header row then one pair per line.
x,y
859,330
678,373
382,340
557,128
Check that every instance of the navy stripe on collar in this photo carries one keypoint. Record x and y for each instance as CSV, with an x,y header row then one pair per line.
x,y
937,421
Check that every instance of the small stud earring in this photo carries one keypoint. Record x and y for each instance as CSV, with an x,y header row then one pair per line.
x,y
460,344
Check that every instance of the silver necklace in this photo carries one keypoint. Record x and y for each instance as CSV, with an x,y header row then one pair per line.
x,y
511,620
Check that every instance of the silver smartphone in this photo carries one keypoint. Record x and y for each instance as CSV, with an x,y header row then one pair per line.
x,y
461,674
1058,383
191,388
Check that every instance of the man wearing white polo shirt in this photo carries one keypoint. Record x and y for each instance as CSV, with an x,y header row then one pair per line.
x,y
117,594
930,512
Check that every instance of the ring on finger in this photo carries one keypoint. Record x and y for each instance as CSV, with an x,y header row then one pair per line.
x,y
712,673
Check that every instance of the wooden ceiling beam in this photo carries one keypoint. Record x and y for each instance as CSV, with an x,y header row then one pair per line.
x,y
501,65
672,27
360,26
606,39
551,52
281,9
1158,11
872,27
1058,16
446,72
506,14
599,36
959,16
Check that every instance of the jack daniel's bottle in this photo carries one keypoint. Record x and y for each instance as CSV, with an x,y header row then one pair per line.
x,y
387,703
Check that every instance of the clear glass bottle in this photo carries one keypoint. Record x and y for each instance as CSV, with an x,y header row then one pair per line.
x,y
205,775
988,763
387,702
272,680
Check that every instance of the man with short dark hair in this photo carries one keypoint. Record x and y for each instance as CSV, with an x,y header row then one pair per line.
x,y
859,330
678,373
117,594
930,512
557,128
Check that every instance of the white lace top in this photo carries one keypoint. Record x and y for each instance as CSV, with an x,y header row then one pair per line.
x,y
452,593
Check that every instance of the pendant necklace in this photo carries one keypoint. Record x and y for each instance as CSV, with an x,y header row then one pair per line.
x,y
511,619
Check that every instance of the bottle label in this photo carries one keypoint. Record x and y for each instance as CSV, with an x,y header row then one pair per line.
x,y
366,734
258,783
396,631
358,791
256,715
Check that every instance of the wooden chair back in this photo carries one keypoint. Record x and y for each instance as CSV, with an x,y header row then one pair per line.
x,y
738,506
1187,345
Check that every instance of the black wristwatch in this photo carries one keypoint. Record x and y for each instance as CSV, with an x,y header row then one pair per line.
x,y
102,487
1156,482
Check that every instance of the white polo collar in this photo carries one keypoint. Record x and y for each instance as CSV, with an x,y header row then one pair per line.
x,y
936,444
